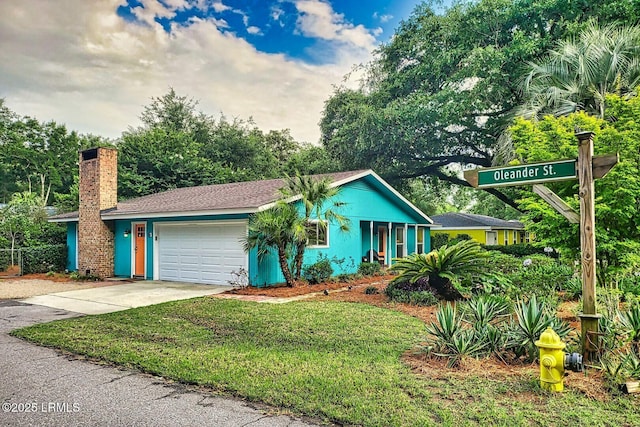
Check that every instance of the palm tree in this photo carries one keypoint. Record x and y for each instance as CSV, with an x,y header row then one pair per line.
x,y
577,74
314,195
280,227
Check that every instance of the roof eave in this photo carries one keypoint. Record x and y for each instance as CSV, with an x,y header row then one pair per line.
x,y
135,215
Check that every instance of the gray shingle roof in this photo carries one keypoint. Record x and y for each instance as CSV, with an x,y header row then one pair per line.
x,y
455,219
237,196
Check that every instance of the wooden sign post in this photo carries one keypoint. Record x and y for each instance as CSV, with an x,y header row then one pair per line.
x,y
589,317
586,168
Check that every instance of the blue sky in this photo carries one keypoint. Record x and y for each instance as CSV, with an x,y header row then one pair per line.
x,y
94,65
272,26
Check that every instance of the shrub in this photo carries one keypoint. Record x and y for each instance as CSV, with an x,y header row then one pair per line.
x,y
369,268
418,293
318,272
542,276
503,263
83,277
519,250
42,259
439,239
572,289
240,278
371,290
630,285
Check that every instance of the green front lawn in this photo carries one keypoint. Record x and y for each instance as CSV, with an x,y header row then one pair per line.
x,y
339,362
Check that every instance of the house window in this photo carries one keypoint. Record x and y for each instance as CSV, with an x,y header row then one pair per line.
x,y
420,241
399,242
317,234
506,237
515,237
527,237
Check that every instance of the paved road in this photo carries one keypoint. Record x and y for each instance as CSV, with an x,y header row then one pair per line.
x,y
61,391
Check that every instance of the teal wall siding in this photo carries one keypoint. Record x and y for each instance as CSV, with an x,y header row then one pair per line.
x,y
122,247
72,249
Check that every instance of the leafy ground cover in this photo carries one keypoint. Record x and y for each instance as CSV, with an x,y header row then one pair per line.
x,y
340,362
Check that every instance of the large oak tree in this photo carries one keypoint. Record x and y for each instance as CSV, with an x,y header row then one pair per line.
x,y
440,95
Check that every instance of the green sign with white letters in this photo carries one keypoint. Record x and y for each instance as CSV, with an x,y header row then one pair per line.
x,y
534,173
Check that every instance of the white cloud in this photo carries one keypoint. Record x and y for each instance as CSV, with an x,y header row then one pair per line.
x,y
382,18
254,30
276,13
219,7
77,62
318,19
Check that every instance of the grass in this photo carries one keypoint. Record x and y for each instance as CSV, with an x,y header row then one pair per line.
x,y
338,362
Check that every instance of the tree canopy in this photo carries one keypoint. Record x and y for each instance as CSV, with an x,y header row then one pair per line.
x,y
36,156
179,146
440,95
578,73
617,195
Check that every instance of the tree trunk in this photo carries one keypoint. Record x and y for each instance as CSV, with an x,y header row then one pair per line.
x,y
297,261
284,266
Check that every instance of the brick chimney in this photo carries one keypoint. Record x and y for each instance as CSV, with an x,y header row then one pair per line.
x,y
98,191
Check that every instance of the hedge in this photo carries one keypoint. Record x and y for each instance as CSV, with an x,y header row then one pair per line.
x,y
519,250
42,259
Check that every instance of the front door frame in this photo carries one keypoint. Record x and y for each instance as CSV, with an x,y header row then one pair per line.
x,y
383,238
134,234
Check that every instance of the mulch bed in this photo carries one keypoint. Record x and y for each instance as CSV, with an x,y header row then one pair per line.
x,y
56,277
303,288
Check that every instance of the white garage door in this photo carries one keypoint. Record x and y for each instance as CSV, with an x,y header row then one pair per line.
x,y
200,253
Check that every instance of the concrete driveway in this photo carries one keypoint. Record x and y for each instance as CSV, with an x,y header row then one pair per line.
x,y
41,387
122,297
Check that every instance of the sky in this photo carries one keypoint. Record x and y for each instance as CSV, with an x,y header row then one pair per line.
x,y
94,64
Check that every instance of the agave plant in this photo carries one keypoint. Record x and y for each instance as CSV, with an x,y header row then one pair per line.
x,y
444,267
630,320
483,309
450,339
618,367
494,338
532,320
448,324
464,343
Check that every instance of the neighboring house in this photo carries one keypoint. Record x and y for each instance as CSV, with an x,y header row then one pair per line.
x,y
194,234
483,229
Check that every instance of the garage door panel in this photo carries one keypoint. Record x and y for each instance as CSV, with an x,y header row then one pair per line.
x,y
200,253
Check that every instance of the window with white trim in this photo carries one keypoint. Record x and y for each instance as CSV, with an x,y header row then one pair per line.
x,y
399,242
506,237
515,237
527,237
317,234
420,241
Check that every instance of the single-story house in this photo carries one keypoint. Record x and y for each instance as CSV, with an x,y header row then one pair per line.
x,y
195,234
481,228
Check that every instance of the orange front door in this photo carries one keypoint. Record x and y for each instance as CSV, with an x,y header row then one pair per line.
x,y
382,243
140,231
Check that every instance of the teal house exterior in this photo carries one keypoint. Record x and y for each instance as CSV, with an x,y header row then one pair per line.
x,y
195,234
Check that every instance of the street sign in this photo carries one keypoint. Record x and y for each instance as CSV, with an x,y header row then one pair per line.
x,y
533,173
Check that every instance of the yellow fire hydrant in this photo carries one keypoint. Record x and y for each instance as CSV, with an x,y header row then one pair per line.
x,y
552,360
